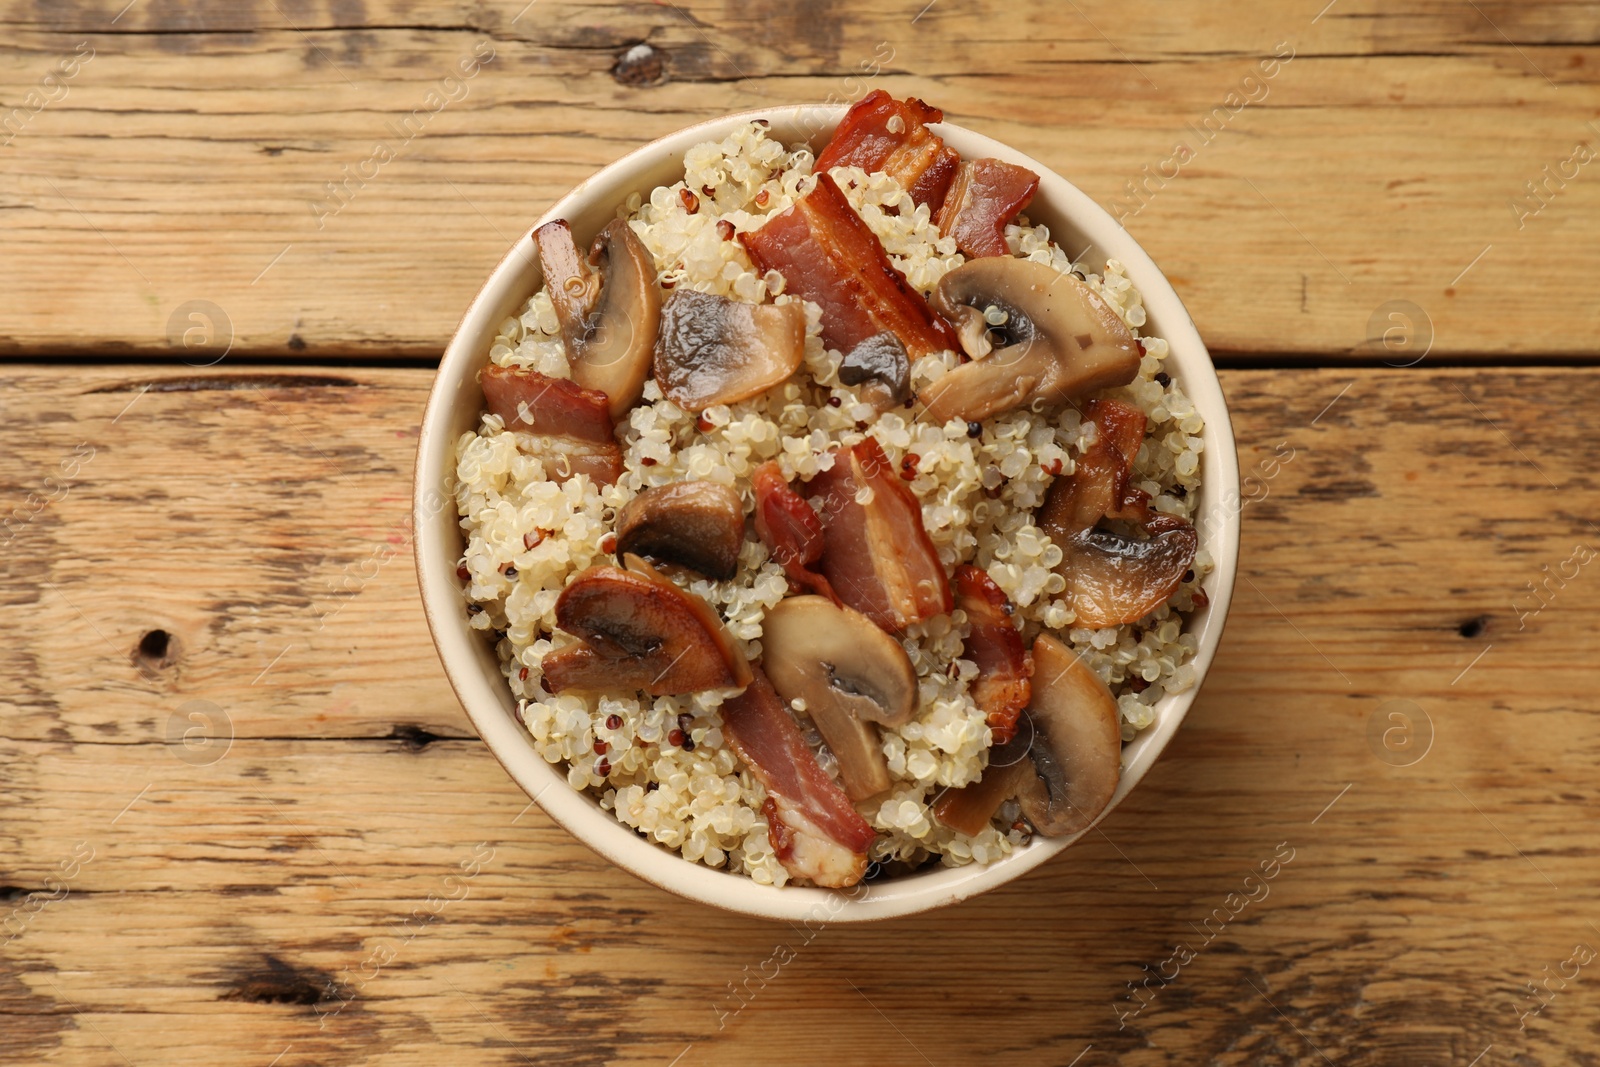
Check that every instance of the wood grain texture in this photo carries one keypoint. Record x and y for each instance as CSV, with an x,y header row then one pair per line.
x,y
345,875
182,162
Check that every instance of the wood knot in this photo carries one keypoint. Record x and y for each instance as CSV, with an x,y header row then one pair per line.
x,y
640,66
156,651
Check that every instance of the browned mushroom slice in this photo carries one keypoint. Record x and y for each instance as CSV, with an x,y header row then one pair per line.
x,y
713,350
969,808
699,525
1042,335
881,365
1114,578
848,674
608,316
1077,743
639,631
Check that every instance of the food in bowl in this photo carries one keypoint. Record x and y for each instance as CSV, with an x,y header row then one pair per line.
x,y
828,518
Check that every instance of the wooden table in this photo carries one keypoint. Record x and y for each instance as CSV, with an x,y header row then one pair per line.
x,y
244,820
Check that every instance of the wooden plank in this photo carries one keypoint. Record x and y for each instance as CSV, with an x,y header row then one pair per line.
x,y
1376,174
260,898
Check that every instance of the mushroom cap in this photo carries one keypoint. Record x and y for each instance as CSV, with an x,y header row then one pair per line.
x,y
1114,579
638,630
1060,340
970,807
697,524
1077,746
822,653
880,360
715,350
609,318
848,674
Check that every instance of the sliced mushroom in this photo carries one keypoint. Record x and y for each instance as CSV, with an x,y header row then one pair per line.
x,y
608,316
970,807
1115,573
1077,745
713,350
637,630
1115,578
848,674
1052,338
881,362
699,525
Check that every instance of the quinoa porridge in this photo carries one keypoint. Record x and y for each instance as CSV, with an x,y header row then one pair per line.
x,y
1040,515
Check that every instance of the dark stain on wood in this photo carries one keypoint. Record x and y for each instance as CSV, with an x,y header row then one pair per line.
x,y
33,1022
814,30
272,981
1348,489
201,383
1474,627
414,738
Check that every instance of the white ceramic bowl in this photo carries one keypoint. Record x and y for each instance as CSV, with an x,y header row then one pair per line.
x,y
456,402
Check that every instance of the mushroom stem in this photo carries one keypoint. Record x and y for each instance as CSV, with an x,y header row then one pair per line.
x,y
970,808
1061,340
847,674
608,317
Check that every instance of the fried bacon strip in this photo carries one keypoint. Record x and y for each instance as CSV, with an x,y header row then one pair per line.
x,y
1113,578
907,151
985,197
877,555
790,529
828,255
1101,485
574,422
815,830
1004,683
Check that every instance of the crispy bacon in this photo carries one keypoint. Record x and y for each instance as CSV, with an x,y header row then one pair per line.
x,y
574,422
877,555
827,254
913,155
1100,486
815,830
1004,683
1113,578
985,197
790,529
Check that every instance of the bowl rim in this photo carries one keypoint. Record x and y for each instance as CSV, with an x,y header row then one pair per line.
x,y
577,812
